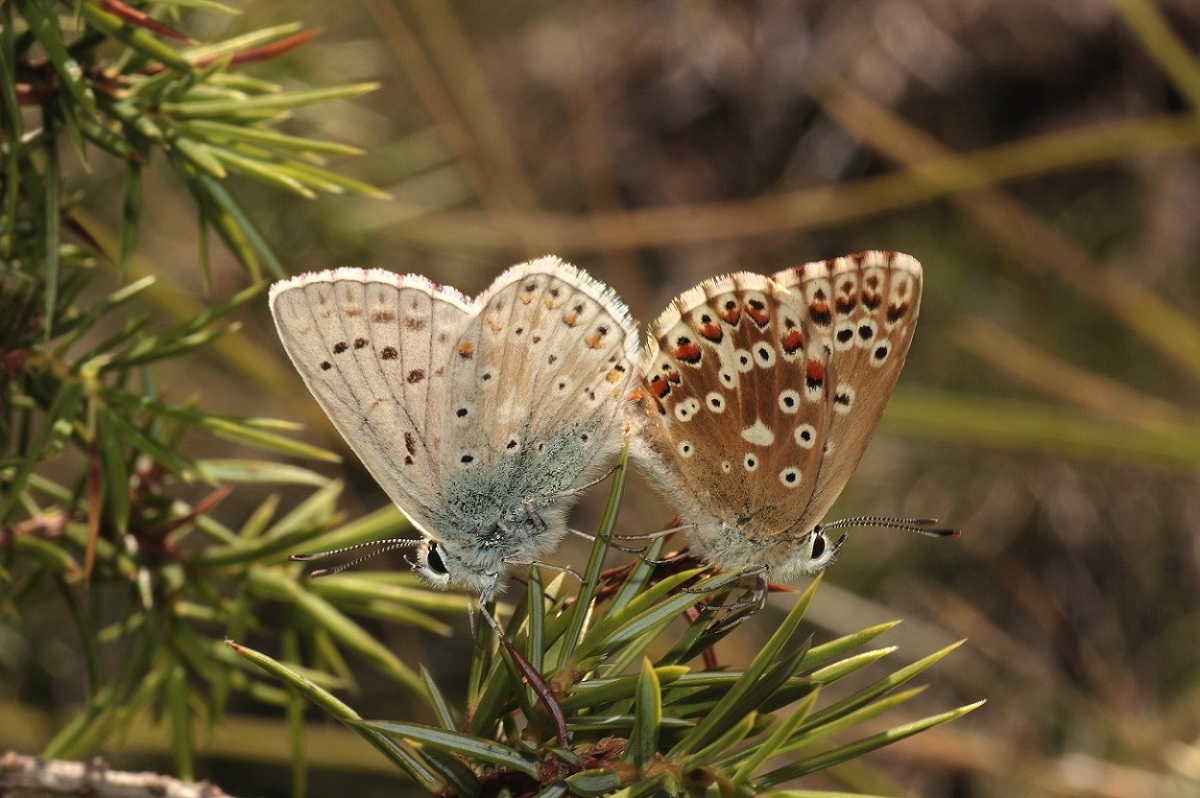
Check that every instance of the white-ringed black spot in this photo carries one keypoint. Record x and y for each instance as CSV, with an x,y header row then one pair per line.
x,y
789,401
750,462
743,361
715,402
686,409
790,477
806,436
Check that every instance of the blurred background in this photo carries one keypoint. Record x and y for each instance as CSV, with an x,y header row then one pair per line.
x,y
1039,158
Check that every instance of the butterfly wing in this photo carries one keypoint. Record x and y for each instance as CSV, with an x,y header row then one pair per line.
x,y
760,394
864,307
371,347
732,404
538,381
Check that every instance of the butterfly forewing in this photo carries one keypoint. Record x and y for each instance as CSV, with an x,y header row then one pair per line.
x,y
545,363
864,307
370,346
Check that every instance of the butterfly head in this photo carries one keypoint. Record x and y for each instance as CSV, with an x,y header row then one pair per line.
x,y
442,567
806,555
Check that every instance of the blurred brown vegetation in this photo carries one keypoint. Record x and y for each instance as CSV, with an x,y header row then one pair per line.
x,y
1039,158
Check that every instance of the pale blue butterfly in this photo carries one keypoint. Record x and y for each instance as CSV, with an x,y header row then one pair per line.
x,y
482,418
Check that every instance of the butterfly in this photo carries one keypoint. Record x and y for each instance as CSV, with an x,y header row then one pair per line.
x,y
480,418
759,395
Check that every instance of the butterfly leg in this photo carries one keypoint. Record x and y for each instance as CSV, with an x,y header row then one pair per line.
x,y
562,569
752,599
631,549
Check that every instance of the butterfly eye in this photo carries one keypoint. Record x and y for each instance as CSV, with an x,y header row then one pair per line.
x,y
819,544
434,560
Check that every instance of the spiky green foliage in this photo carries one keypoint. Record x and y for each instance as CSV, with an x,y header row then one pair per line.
x,y
98,494
593,694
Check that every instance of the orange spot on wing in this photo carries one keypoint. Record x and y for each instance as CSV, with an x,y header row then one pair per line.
x,y
688,353
760,318
814,372
792,342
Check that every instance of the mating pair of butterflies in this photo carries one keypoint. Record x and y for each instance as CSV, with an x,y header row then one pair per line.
x,y
749,407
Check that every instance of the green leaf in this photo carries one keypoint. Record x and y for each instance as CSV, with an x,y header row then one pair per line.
x,y
135,37
728,736
198,153
315,509
269,172
727,705
437,701
844,667
401,753
775,742
827,652
578,614
216,131
57,423
115,474
883,686
857,749
595,782
462,744
43,24
643,742
274,584
285,101
607,691
260,472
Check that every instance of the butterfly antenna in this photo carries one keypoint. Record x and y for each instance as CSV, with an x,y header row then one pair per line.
x,y
919,526
376,547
